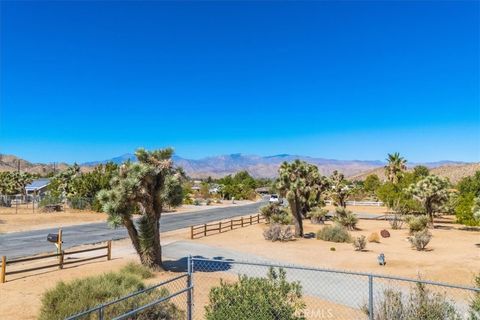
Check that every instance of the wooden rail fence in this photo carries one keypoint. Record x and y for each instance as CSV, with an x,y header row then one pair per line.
x,y
61,260
223,226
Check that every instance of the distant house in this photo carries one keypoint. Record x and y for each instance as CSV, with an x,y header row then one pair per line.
x,y
38,186
262,190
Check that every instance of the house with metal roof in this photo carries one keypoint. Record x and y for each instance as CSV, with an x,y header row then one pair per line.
x,y
38,186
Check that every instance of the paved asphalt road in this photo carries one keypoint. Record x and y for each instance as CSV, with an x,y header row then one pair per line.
x,y
28,243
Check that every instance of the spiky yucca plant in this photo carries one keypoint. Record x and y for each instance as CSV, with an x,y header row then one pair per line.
x,y
340,189
432,192
300,182
144,187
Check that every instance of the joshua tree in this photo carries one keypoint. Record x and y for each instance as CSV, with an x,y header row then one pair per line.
x,y
298,181
396,165
144,188
432,192
14,182
62,183
340,190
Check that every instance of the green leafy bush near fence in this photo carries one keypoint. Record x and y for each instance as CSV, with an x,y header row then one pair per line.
x,y
49,199
267,298
67,299
79,203
416,223
419,304
335,233
346,218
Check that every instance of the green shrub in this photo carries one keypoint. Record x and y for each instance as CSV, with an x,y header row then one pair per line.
x,y
464,210
274,213
420,304
336,233
267,298
79,203
396,222
416,223
187,200
196,202
346,218
420,239
317,215
137,269
49,199
278,232
359,243
67,299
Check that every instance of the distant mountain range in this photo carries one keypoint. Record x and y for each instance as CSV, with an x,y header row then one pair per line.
x,y
266,167
219,166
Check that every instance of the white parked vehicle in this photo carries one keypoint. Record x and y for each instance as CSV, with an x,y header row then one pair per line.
x,y
274,198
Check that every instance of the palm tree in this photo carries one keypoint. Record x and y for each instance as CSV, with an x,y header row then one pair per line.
x,y
395,166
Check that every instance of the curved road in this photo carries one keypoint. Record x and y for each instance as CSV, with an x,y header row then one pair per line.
x,y
28,243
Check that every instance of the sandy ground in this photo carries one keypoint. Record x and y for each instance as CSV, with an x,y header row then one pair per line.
x,y
21,295
452,255
24,218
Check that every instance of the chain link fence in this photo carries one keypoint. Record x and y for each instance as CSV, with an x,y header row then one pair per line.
x,y
222,287
25,203
168,300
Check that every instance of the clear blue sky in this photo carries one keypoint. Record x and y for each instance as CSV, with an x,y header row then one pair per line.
x,y
349,80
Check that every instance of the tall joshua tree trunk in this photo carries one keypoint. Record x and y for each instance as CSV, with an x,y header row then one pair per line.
x,y
143,187
296,214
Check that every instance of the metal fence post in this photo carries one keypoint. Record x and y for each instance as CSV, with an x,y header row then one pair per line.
x,y
100,314
190,285
370,298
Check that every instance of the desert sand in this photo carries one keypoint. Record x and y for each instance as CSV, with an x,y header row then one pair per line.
x,y
453,256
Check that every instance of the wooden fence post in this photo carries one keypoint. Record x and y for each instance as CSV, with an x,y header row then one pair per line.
x,y
220,227
109,250
242,222
59,243
250,220
258,218
205,230
4,269
231,224
191,232
60,262
59,249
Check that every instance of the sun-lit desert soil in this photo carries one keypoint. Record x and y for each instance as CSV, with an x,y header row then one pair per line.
x,y
20,296
453,255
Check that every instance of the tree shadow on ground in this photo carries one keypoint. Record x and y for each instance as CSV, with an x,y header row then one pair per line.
x,y
440,227
310,235
469,228
208,265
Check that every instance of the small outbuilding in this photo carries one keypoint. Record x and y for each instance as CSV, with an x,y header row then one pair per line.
x,y
38,186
